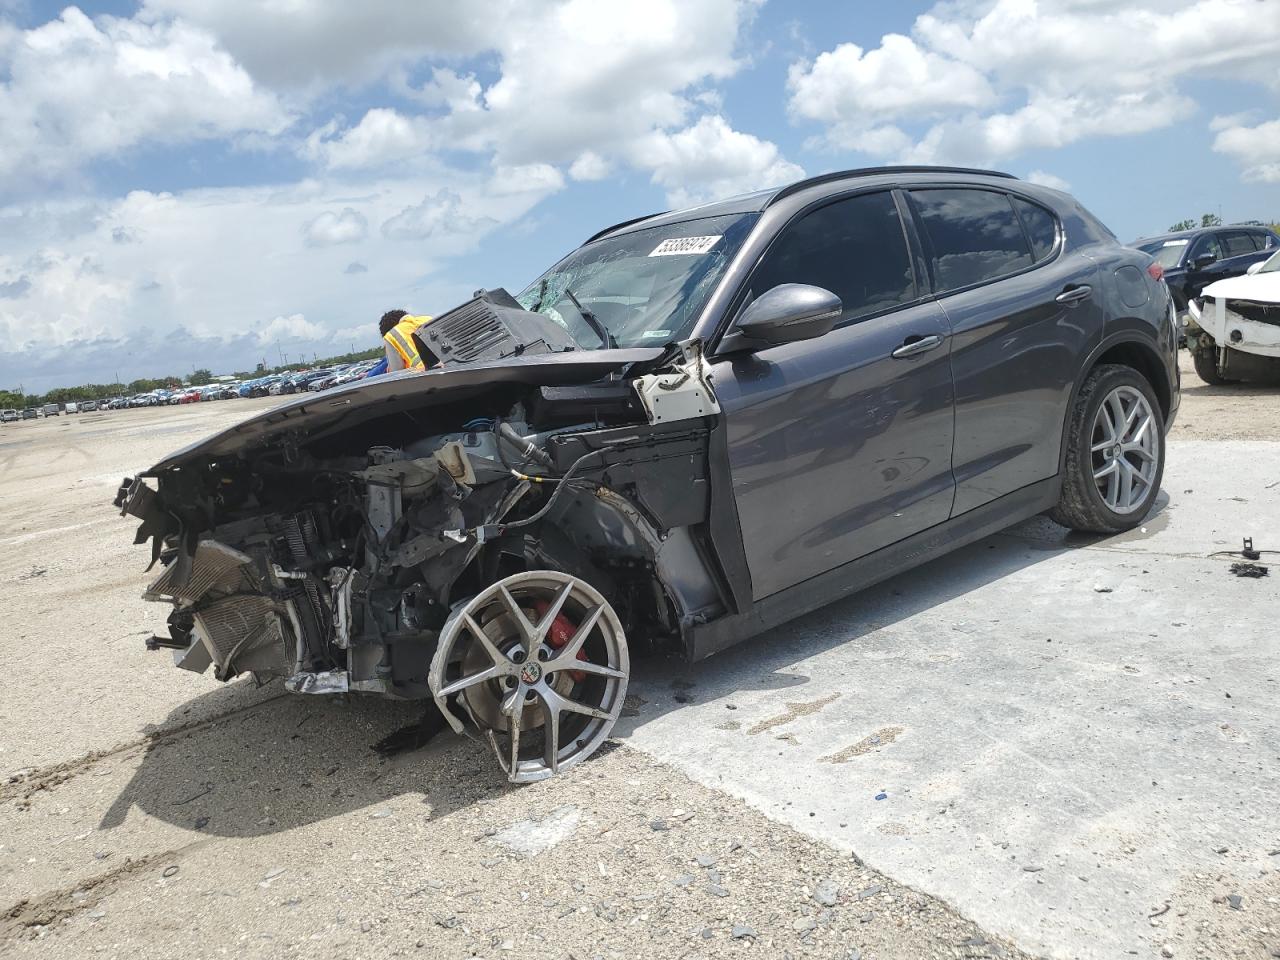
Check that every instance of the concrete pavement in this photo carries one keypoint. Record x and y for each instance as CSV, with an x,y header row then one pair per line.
x,y
1054,733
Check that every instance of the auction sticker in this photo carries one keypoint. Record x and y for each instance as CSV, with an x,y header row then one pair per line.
x,y
676,246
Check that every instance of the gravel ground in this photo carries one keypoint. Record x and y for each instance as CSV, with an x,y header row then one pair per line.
x,y
1237,412
149,812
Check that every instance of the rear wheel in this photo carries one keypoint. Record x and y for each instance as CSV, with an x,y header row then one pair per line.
x,y
1115,453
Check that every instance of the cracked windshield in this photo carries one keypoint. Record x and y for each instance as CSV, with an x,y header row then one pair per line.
x,y
644,288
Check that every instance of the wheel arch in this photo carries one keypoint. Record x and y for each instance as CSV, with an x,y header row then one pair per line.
x,y
1127,348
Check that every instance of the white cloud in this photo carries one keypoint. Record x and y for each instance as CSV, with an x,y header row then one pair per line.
x,y
293,327
710,159
75,90
853,90
217,266
984,82
383,137
589,96
297,43
329,228
589,165
440,215
1256,149
1046,179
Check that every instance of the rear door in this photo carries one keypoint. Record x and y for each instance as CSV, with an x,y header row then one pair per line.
x,y
1023,313
837,447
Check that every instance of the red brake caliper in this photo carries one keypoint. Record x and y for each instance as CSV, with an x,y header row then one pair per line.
x,y
561,632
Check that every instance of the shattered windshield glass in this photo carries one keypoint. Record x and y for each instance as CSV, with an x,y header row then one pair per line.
x,y
645,288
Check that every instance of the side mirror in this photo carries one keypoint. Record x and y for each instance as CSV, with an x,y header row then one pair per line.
x,y
1255,267
786,313
1203,261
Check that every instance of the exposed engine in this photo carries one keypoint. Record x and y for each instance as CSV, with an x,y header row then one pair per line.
x,y
503,565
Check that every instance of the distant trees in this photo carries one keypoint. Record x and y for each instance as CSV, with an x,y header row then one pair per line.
x,y
200,377
1206,220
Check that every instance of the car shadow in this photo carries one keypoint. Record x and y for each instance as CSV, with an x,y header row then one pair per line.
x,y
286,760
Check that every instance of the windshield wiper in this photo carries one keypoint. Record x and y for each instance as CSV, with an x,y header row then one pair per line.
x,y
593,322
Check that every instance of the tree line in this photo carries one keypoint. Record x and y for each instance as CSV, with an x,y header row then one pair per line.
x,y
102,391
1213,220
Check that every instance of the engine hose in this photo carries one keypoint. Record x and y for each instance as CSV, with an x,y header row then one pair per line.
x,y
526,448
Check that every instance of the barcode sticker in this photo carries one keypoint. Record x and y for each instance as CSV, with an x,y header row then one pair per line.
x,y
676,246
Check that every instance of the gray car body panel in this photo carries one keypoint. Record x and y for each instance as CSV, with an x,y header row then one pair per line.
x,y
834,465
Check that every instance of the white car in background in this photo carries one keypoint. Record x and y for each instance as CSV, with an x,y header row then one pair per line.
x,y
1234,328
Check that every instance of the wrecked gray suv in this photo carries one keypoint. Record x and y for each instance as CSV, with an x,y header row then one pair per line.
x,y
692,428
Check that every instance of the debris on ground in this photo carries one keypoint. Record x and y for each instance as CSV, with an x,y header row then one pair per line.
x,y
1245,568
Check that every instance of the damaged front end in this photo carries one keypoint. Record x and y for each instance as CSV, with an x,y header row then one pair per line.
x,y
496,536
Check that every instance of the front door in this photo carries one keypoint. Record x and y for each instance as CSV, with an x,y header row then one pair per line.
x,y
838,447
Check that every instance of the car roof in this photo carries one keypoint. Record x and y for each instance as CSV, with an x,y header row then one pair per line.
x,y
1196,231
762,199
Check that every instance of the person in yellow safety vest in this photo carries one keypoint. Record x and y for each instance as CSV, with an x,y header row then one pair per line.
x,y
397,327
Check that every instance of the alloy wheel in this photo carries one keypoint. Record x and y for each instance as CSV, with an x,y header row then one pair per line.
x,y
541,663
1125,448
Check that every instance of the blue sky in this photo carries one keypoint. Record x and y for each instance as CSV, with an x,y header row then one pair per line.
x,y
213,182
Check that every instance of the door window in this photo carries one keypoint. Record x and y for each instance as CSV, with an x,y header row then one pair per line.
x,y
1239,243
972,235
1041,226
854,247
1208,243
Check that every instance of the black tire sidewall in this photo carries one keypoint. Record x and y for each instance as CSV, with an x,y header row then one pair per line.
x,y
1109,381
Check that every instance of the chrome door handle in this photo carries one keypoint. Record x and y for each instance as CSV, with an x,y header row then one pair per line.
x,y
1073,295
915,345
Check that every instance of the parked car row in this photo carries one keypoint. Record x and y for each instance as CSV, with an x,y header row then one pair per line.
x,y
276,384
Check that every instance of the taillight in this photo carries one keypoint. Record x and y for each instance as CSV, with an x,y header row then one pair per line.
x,y
1155,271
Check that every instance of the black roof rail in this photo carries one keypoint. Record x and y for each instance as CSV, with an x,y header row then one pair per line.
x,y
877,171
619,226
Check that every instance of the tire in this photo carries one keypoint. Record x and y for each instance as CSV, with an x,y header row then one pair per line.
x,y
1206,364
1082,505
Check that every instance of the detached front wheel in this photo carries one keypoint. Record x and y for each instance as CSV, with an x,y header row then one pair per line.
x,y
539,663
1115,453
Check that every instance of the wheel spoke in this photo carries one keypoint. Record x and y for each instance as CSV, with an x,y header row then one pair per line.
x,y
560,703
553,611
488,673
528,633
1126,484
567,657
551,733
1108,428
1139,432
499,659
586,666
1141,451
1106,471
1115,410
1134,412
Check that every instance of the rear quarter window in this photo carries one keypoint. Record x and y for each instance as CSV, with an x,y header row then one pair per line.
x,y
1041,227
972,235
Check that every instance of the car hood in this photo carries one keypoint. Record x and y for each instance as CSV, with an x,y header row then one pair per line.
x,y
1263,287
363,400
